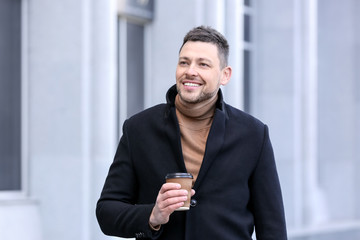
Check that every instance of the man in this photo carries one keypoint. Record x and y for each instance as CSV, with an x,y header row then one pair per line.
x,y
235,187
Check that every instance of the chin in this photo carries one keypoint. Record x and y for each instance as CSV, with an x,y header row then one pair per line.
x,y
189,99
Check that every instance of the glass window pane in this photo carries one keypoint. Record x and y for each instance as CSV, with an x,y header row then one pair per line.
x,y
247,80
135,68
247,3
247,28
10,95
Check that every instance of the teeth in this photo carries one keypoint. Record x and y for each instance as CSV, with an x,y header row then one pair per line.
x,y
191,84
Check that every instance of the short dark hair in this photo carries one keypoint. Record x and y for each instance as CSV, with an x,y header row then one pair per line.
x,y
210,35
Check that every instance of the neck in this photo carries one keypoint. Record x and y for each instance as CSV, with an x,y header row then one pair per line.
x,y
201,110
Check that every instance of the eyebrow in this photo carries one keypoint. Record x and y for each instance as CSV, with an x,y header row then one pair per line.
x,y
197,59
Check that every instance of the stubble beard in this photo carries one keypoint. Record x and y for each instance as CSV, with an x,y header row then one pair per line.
x,y
203,96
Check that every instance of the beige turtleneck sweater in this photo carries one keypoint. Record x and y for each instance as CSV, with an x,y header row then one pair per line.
x,y
195,122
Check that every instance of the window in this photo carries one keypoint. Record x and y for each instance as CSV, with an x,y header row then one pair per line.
x,y
247,78
133,17
10,95
247,3
135,68
130,68
247,54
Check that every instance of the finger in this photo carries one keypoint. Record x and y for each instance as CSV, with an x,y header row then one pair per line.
x,y
170,202
172,196
169,186
192,192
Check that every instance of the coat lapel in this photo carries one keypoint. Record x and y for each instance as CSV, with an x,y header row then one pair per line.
x,y
172,130
213,144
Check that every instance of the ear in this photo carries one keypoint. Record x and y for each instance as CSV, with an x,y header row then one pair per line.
x,y
226,75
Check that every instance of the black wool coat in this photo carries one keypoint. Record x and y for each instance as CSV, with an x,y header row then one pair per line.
x,y
237,188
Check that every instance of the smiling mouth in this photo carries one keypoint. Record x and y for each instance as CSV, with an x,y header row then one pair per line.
x,y
191,84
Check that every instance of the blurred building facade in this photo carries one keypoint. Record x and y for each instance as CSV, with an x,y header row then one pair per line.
x,y
72,71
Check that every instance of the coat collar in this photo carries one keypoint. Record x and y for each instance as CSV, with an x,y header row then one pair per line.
x,y
214,141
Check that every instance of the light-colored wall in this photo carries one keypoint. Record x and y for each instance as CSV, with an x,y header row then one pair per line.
x,y
273,86
72,111
306,89
337,89
55,115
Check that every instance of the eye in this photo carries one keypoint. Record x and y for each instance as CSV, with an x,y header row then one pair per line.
x,y
204,65
183,63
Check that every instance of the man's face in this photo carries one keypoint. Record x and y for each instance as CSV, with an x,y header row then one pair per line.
x,y
198,73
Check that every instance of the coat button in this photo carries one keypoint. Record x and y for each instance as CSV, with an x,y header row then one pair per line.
x,y
193,203
139,235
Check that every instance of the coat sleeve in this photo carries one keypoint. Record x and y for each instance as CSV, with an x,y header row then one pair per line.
x,y
116,211
266,197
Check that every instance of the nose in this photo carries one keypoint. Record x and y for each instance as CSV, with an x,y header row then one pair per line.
x,y
191,71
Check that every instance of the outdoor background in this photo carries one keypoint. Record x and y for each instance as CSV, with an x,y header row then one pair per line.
x,y
72,71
